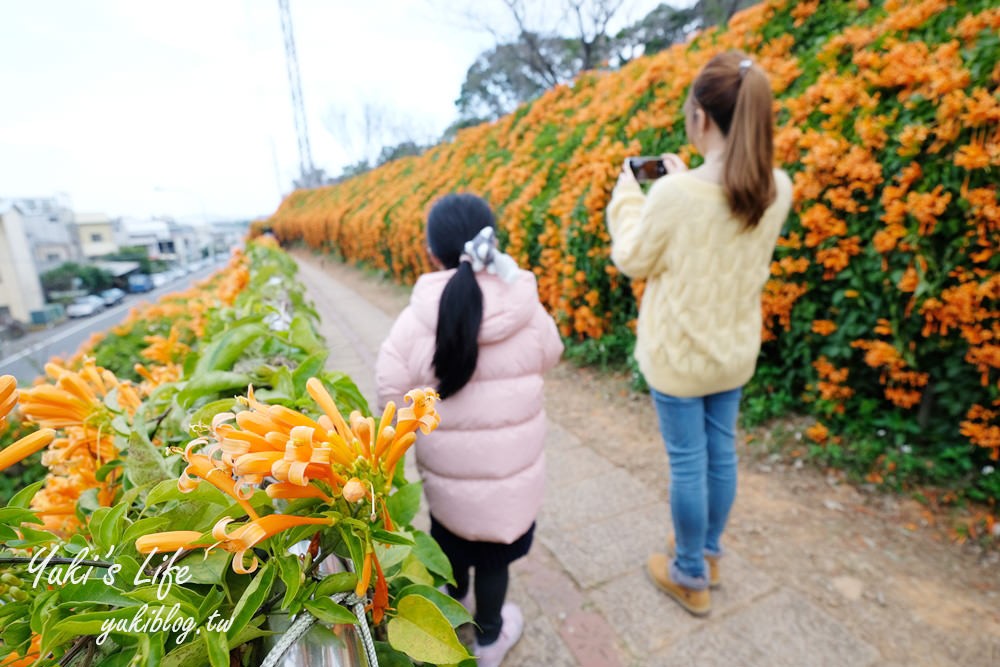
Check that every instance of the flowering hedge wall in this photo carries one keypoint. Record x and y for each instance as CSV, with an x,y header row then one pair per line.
x,y
222,436
882,313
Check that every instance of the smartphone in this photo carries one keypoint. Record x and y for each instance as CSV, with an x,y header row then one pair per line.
x,y
647,167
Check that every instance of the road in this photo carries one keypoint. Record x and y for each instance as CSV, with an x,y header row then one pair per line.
x,y
25,358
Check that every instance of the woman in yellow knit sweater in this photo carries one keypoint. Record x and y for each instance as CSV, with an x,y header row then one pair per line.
x,y
703,240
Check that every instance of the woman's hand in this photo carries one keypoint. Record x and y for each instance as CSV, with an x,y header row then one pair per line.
x,y
626,175
673,163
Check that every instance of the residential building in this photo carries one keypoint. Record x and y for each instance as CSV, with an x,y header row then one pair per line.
x,y
97,234
48,226
20,287
163,238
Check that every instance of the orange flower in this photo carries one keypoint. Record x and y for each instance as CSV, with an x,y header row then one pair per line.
x,y
173,540
8,398
818,433
25,447
824,327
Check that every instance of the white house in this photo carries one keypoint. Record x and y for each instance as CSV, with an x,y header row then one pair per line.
x,y
20,288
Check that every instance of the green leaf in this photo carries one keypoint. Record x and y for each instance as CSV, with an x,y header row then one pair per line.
x,y
385,537
32,538
225,349
430,554
23,497
217,648
167,490
207,569
151,524
405,503
196,653
302,335
144,462
390,657
103,472
420,630
415,571
309,367
206,413
341,582
106,535
211,384
15,516
291,576
253,597
328,611
449,606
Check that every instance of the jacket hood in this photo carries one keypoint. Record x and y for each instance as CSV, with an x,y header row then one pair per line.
x,y
507,308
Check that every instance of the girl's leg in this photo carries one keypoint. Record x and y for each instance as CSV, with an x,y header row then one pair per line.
x,y
459,562
682,424
721,411
491,591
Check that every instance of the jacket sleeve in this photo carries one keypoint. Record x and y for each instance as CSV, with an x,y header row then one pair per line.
x,y
392,370
548,334
638,239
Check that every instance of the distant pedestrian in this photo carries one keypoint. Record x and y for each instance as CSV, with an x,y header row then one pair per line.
x,y
703,240
476,330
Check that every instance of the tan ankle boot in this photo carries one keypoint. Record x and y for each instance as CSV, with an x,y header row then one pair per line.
x,y
695,602
714,573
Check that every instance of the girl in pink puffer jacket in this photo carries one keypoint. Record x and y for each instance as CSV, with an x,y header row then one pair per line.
x,y
476,330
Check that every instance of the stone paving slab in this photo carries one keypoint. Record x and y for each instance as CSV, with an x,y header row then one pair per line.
x,y
609,548
586,501
572,465
783,629
649,621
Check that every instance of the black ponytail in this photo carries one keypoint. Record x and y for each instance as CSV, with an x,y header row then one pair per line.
x,y
454,220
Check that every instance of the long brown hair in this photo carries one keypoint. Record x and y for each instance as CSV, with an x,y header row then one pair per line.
x,y
737,96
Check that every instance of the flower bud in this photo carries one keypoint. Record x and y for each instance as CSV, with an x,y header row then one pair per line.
x,y
354,490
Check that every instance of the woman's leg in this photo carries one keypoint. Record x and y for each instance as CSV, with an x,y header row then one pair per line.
x,y
491,591
721,411
682,424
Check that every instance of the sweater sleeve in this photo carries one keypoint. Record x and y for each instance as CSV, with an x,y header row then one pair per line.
x,y
392,372
638,237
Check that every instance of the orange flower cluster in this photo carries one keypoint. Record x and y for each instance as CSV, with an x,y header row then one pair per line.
x,y
325,458
982,427
831,385
76,403
895,89
902,386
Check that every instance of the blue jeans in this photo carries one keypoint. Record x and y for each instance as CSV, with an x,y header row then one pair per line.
x,y
700,434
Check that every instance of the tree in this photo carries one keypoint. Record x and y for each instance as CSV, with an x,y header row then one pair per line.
x,y
72,276
538,56
372,133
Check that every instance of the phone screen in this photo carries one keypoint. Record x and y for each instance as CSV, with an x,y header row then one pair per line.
x,y
647,168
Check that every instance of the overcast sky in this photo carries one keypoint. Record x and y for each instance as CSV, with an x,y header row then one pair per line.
x,y
182,107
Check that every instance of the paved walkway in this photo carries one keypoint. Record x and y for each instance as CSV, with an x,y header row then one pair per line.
x,y
583,588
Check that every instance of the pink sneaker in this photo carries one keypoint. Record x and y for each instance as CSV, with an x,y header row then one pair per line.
x,y
492,655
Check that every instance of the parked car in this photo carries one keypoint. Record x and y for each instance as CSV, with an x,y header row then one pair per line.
x,y
85,306
140,282
112,296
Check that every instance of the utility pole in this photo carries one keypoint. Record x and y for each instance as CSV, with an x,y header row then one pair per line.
x,y
306,168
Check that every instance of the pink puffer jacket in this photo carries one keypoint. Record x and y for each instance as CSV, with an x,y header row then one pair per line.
x,y
484,468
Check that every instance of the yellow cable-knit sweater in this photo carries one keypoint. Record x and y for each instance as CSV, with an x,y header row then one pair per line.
x,y
700,318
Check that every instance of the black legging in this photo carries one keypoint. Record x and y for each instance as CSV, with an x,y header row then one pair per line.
x,y
491,591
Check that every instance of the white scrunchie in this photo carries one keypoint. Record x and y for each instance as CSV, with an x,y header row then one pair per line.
x,y
481,252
